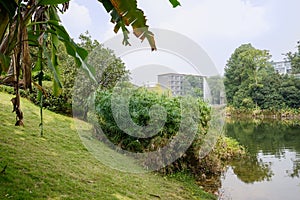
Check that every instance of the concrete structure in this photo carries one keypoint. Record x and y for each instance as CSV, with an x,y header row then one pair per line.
x,y
181,84
282,67
172,81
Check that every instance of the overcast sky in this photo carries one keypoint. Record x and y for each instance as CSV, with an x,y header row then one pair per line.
x,y
218,26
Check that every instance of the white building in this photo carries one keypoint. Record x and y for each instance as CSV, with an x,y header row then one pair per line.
x,y
173,81
282,67
179,83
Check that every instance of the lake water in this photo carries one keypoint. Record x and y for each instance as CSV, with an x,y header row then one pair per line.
x,y
272,170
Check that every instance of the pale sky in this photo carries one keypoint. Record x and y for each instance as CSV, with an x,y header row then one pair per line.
x,y
218,26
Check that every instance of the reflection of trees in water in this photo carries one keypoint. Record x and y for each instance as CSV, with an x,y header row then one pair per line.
x,y
250,170
267,137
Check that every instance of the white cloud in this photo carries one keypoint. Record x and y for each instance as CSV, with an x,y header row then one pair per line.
x,y
219,18
109,33
202,19
77,19
218,26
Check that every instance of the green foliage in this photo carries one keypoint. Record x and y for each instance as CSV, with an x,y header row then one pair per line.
x,y
193,85
60,103
209,170
108,71
267,137
139,106
244,67
225,150
290,91
58,165
251,83
77,52
36,23
189,180
175,3
53,2
108,68
126,13
294,58
266,94
57,103
217,89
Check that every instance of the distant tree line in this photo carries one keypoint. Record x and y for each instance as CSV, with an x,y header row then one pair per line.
x,y
251,81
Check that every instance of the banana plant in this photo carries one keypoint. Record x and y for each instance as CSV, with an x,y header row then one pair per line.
x,y
35,23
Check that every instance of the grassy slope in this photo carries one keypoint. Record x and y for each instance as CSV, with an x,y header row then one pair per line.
x,y
58,166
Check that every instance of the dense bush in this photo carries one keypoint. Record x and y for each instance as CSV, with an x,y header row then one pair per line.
x,y
60,104
139,105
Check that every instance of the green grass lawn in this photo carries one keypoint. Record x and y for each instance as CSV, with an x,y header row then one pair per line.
x,y
58,166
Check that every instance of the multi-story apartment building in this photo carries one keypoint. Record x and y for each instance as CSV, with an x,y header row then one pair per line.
x,y
181,84
282,67
172,81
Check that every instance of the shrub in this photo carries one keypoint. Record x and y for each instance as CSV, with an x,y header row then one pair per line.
x,y
60,104
139,106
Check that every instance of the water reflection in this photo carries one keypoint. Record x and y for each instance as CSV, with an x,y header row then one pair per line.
x,y
259,171
272,169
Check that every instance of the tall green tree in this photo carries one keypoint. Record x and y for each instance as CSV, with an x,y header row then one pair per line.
x,y
267,95
109,69
251,82
290,91
243,72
